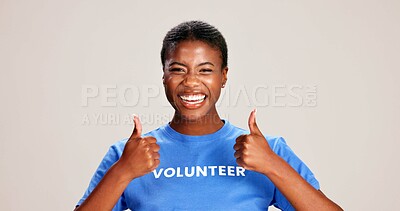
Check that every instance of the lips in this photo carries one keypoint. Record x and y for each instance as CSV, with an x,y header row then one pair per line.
x,y
192,100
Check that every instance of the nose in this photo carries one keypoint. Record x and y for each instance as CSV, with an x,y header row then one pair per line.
x,y
191,80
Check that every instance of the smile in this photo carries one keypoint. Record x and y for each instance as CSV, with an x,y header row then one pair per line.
x,y
192,99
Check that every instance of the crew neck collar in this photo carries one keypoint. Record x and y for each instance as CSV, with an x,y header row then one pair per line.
x,y
224,130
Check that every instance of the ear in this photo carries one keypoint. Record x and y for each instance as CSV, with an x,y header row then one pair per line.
x,y
163,76
225,75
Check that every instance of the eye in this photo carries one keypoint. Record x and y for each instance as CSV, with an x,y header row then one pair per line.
x,y
206,70
177,70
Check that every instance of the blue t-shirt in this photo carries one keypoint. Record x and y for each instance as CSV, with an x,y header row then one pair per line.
x,y
201,173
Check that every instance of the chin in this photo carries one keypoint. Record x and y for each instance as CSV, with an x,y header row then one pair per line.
x,y
195,116
192,116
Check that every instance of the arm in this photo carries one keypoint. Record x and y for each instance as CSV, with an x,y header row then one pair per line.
x,y
254,153
140,156
108,191
298,191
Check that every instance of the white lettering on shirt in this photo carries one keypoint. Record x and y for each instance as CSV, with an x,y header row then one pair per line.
x,y
187,174
200,171
212,168
240,170
222,170
203,171
231,171
166,174
178,172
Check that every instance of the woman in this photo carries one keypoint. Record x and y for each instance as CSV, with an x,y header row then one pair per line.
x,y
199,161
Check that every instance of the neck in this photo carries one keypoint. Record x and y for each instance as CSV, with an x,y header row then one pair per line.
x,y
207,124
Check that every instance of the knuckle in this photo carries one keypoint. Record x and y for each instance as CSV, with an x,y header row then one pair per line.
x,y
155,147
151,139
149,155
246,158
143,141
155,165
235,147
240,163
146,148
150,164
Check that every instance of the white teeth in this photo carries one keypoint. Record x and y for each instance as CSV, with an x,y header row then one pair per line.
x,y
199,97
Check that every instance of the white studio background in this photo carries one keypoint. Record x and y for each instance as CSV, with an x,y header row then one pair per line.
x,y
323,74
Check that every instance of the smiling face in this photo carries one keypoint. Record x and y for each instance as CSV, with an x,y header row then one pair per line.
x,y
192,79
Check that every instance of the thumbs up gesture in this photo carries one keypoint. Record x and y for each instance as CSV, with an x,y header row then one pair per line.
x,y
252,151
140,154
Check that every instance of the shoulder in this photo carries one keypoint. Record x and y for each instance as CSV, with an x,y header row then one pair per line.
x,y
275,142
117,148
238,130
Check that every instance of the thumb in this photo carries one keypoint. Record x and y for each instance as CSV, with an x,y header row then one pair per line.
x,y
137,130
253,125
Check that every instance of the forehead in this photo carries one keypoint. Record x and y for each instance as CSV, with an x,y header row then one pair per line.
x,y
194,51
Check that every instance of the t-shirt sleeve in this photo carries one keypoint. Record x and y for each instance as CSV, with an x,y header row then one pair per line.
x,y
113,154
280,147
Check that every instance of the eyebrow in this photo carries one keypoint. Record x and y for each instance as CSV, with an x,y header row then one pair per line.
x,y
203,63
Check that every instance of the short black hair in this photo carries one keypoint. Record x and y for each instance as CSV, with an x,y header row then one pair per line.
x,y
195,30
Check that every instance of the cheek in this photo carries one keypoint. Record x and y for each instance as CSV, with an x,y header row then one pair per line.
x,y
170,84
214,85
216,81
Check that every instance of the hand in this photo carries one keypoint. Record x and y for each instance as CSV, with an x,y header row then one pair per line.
x,y
140,154
253,151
